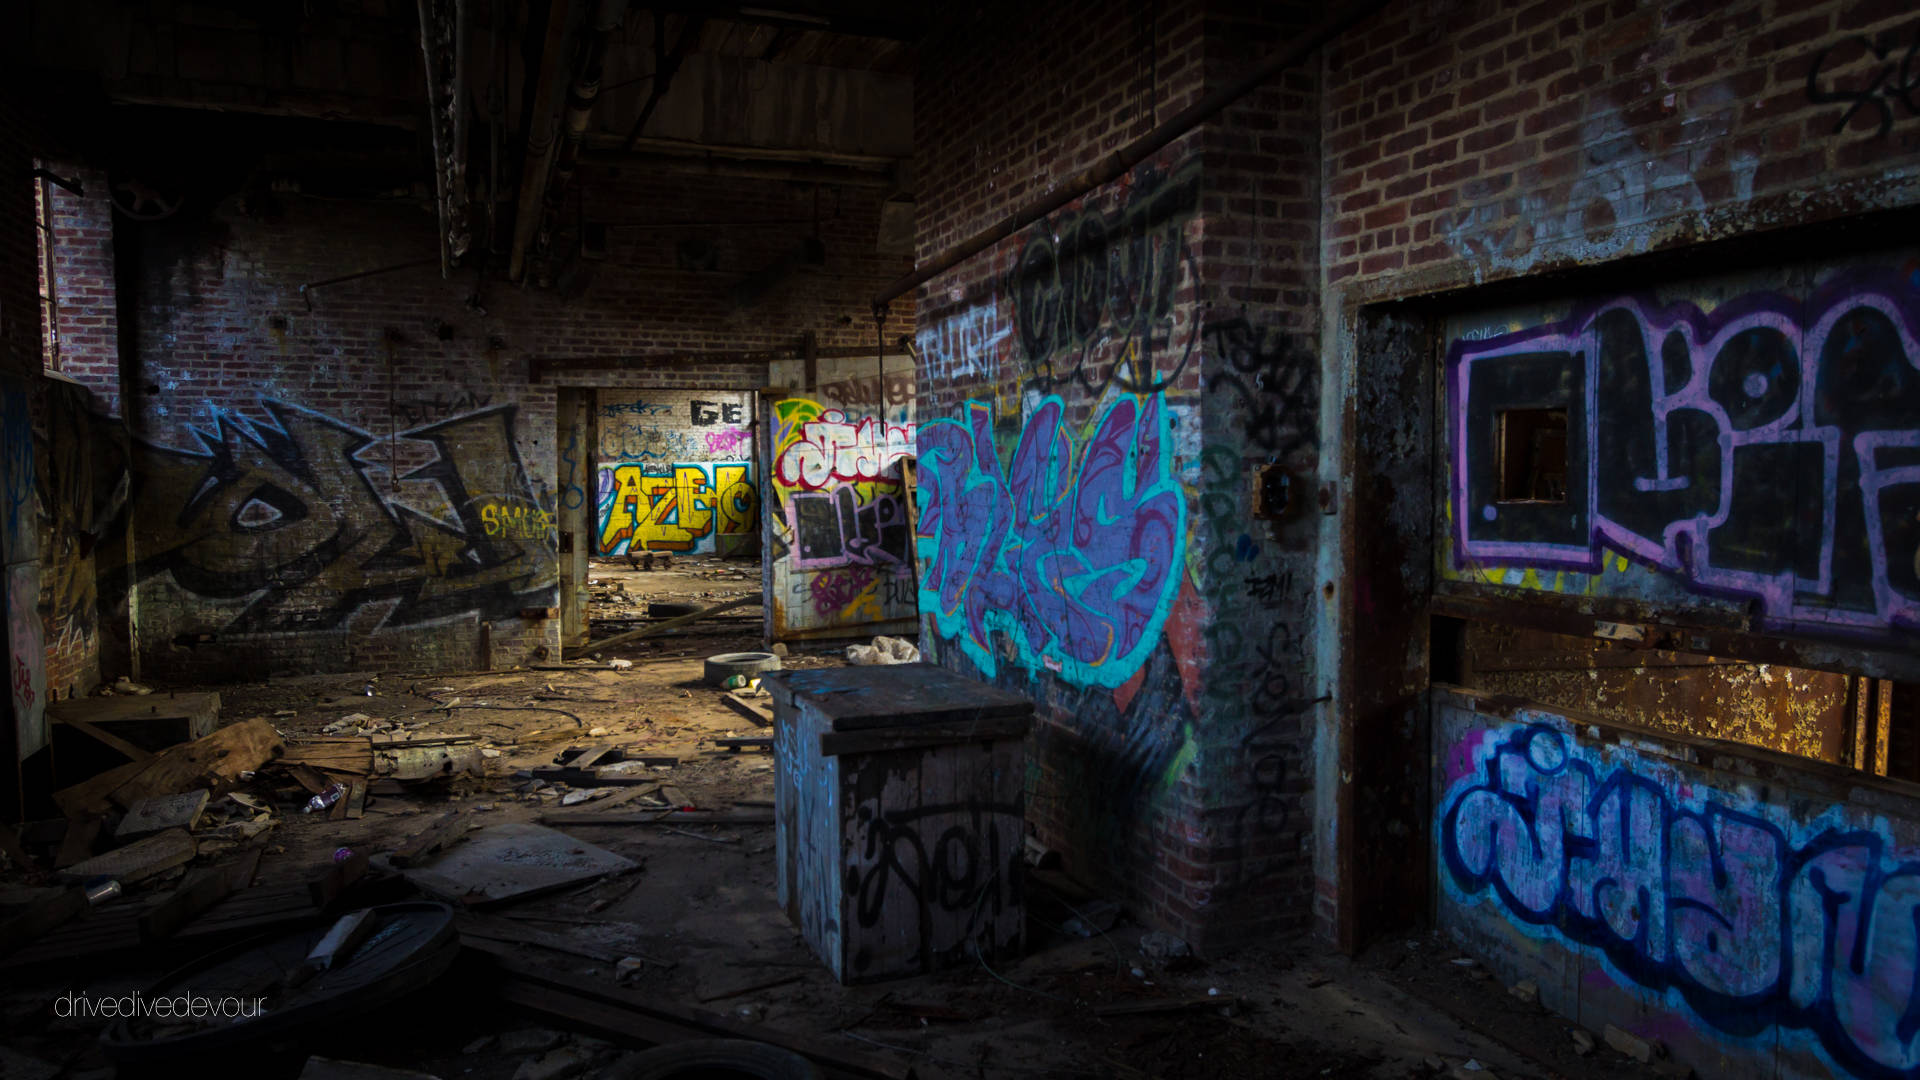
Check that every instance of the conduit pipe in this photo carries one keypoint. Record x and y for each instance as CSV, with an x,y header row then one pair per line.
x,y
1115,165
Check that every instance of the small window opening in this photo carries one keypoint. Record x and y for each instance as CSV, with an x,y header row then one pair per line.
x,y
1533,455
49,286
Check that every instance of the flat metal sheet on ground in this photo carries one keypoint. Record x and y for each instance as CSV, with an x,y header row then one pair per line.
x,y
510,862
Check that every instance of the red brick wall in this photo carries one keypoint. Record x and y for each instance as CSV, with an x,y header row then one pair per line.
x,y
1173,774
1492,139
340,557
84,287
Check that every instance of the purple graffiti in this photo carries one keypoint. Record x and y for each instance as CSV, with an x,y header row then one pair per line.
x,y
1769,450
1073,552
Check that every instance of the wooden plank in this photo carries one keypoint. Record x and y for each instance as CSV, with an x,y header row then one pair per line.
x,y
226,753
435,836
137,861
759,714
649,631
77,845
160,813
589,757
106,738
639,1007
1162,1005
326,886
735,745
33,923
895,695
664,817
921,736
199,892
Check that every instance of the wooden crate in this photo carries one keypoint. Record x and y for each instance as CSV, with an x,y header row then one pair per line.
x,y
900,816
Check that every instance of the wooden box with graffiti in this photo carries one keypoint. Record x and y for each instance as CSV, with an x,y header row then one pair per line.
x,y
900,816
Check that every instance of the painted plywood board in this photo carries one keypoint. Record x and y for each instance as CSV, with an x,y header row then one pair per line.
x,y
510,862
838,530
26,658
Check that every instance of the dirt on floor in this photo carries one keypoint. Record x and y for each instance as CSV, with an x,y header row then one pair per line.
x,y
700,913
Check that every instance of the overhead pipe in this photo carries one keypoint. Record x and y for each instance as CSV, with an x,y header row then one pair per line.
x,y
537,162
457,172
581,97
436,129
1117,164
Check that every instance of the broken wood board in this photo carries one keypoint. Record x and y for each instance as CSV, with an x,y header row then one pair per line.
x,y
151,722
509,862
78,843
352,754
755,712
52,908
137,861
754,742
664,817
446,830
196,894
647,1016
160,813
219,757
108,739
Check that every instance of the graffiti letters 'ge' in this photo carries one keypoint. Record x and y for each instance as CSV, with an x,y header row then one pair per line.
x,y
1696,890
1769,450
1072,551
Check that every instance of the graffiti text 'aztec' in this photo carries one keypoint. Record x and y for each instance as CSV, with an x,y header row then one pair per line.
x,y
1750,928
1073,552
690,506
1770,450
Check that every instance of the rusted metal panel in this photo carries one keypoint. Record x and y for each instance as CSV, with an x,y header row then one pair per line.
x,y
1383,800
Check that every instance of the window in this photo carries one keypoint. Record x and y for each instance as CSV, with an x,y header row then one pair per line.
x,y
49,305
1532,453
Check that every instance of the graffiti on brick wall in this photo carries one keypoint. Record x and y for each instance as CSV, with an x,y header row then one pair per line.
x,y
889,396
964,345
1768,451
662,433
1274,383
19,529
1623,189
1074,552
68,499
282,514
700,506
26,653
1093,291
1886,90
1755,918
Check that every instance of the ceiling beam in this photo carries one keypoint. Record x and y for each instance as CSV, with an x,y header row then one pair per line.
x,y
799,15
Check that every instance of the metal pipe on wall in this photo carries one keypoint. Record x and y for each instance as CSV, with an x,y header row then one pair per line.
x,y
1115,165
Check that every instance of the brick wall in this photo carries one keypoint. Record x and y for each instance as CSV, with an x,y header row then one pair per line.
x,y
675,471
84,286
1164,328
382,468
1491,140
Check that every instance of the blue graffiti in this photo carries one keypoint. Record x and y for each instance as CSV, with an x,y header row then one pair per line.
x,y
1710,901
1073,552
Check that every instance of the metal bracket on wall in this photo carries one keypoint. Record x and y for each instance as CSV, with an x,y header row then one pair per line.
x,y
306,292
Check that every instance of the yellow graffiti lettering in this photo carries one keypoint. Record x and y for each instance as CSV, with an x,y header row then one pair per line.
x,y
650,512
515,521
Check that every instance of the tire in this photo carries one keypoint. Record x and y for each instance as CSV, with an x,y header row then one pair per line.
x,y
718,1059
724,666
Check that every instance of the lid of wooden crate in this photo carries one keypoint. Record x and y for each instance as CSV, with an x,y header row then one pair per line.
x,y
897,695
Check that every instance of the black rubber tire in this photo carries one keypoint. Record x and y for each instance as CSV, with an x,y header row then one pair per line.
x,y
718,1059
724,666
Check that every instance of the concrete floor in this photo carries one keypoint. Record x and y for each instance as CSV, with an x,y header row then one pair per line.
x,y
703,907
